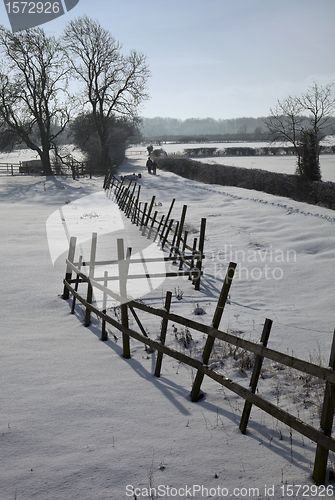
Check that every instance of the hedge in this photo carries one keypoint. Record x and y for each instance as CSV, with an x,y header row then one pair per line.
x,y
290,186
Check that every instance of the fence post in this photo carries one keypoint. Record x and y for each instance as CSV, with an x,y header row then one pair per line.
x,y
174,238
194,249
148,214
200,256
124,197
76,285
119,191
166,234
70,258
180,231
182,260
91,276
152,225
255,376
127,198
163,334
328,407
143,215
123,293
216,322
159,226
104,335
167,219
130,202
137,207
137,320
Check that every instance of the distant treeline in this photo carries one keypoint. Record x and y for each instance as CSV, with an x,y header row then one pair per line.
x,y
290,186
208,129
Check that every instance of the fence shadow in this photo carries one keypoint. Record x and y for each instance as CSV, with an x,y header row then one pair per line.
x,y
129,203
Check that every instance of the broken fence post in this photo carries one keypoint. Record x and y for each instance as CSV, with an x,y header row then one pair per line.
x,y
216,322
255,376
163,334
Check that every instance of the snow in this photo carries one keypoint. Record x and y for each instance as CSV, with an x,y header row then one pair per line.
x,y
78,421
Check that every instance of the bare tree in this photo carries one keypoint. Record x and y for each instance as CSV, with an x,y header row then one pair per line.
x,y
33,78
112,83
303,121
320,104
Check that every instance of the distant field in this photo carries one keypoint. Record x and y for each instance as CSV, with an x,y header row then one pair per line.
x,y
281,164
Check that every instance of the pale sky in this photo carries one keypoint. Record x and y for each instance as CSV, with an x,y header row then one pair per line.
x,y
219,58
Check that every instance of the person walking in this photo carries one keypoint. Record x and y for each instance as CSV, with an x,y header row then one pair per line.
x,y
154,167
149,165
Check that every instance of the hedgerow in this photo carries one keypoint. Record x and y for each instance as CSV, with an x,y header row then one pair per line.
x,y
291,186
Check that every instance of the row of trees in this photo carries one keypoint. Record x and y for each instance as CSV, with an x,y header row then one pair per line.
x,y
158,127
36,102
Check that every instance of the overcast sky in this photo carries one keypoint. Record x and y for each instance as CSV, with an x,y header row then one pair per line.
x,y
219,58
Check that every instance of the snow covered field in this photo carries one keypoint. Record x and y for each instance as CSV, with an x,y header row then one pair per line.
x,y
80,422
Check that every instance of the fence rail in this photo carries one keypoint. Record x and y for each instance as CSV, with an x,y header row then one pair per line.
x,y
10,168
75,169
132,152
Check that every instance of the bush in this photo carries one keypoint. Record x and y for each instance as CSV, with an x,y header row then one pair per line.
x,y
290,186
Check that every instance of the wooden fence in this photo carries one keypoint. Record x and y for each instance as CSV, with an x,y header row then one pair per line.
x,y
10,168
30,167
131,152
169,233
76,169
321,437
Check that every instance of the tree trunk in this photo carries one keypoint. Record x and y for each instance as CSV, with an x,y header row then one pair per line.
x,y
104,157
309,146
45,157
